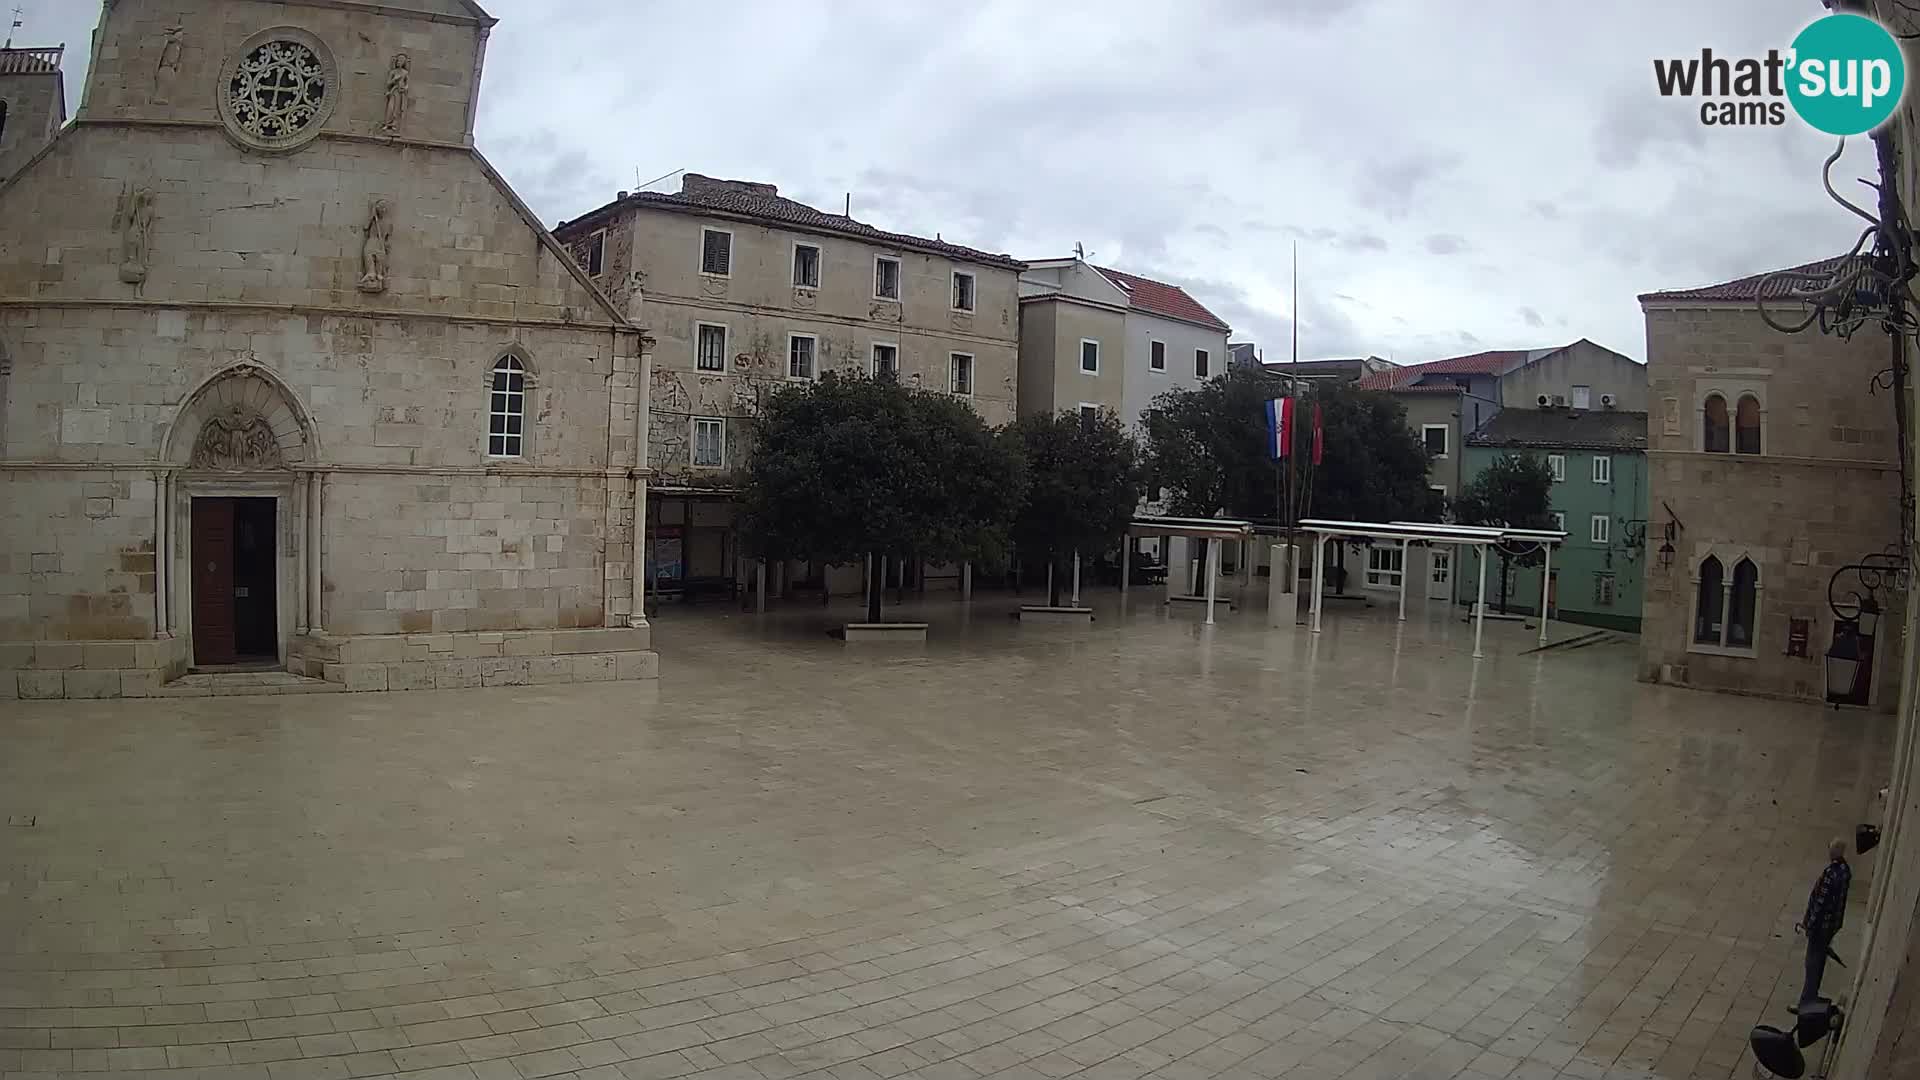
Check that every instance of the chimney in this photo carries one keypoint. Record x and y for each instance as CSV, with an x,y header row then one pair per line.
x,y
696,185
622,197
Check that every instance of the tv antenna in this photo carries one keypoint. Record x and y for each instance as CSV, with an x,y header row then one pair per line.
x,y
638,186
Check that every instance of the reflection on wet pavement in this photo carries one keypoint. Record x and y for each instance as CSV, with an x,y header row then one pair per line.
x,y
1141,848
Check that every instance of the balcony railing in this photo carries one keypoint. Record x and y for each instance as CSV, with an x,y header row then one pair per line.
x,y
31,61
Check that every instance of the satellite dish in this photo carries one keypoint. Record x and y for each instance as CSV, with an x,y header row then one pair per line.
x,y
1775,1052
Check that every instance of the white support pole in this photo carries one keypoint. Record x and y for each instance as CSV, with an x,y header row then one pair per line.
x,y
966,581
760,587
1404,570
1546,580
1319,576
1213,574
1480,603
1076,579
1283,602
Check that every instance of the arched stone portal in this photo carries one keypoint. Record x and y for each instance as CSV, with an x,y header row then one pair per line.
x,y
240,526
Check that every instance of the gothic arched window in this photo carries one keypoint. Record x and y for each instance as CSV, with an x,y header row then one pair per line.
x,y
507,408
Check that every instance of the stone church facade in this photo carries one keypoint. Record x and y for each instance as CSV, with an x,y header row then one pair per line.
x,y
291,376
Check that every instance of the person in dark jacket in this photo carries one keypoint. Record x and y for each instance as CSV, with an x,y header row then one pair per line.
x,y
1826,910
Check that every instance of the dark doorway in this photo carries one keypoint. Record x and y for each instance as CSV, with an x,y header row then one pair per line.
x,y
234,614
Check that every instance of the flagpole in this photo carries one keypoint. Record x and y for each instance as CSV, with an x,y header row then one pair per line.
x,y
1296,301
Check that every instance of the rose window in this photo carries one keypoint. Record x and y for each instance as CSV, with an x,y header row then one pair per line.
x,y
277,90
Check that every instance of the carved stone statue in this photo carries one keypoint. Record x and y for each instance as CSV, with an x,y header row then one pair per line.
x,y
636,294
374,249
236,439
168,69
134,220
398,78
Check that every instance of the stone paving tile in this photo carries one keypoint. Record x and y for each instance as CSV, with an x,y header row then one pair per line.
x,y
1142,849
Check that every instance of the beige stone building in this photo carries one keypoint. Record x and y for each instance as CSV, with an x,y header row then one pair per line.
x,y
33,103
1094,337
748,291
296,379
1771,468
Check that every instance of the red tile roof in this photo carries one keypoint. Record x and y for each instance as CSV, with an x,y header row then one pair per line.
x,y
1161,298
1748,288
1492,362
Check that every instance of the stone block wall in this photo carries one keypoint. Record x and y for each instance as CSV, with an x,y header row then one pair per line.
x,y
125,79
104,385
447,661
35,109
1823,492
234,227
78,559
88,669
413,554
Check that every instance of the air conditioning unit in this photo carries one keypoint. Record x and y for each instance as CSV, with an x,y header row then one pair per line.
x,y
1560,399
1606,401
1543,401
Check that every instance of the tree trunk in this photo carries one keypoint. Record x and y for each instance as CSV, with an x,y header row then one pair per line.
x,y
1504,571
1340,564
1053,561
875,585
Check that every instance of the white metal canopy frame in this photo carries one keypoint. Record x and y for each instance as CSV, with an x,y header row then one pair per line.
x,y
1192,528
1430,533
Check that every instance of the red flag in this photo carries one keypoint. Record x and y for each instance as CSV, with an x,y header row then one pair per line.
x,y
1319,436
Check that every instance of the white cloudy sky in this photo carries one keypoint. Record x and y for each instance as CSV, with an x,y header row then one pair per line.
x,y
1459,175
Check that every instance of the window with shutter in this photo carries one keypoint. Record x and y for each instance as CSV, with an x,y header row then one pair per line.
x,y
716,252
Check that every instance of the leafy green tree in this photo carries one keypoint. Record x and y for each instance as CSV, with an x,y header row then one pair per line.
x,y
1206,446
1515,491
1083,483
1207,450
849,467
1375,466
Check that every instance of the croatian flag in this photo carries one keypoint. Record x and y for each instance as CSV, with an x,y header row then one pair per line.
x,y
1279,428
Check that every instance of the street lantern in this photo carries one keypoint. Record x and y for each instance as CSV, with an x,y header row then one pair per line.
x,y
1844,662
1666,555
1868,620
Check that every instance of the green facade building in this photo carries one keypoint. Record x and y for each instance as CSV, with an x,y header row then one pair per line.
x,y
1599,460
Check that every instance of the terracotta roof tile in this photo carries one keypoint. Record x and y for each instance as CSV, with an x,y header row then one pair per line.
x,y
1605,429
1748,288
763,202
1161,298
1404,379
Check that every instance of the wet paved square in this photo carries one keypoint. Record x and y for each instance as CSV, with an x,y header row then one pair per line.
x,y
1141,849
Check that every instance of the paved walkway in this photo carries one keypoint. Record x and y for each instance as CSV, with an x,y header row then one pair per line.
x,y
1141,849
